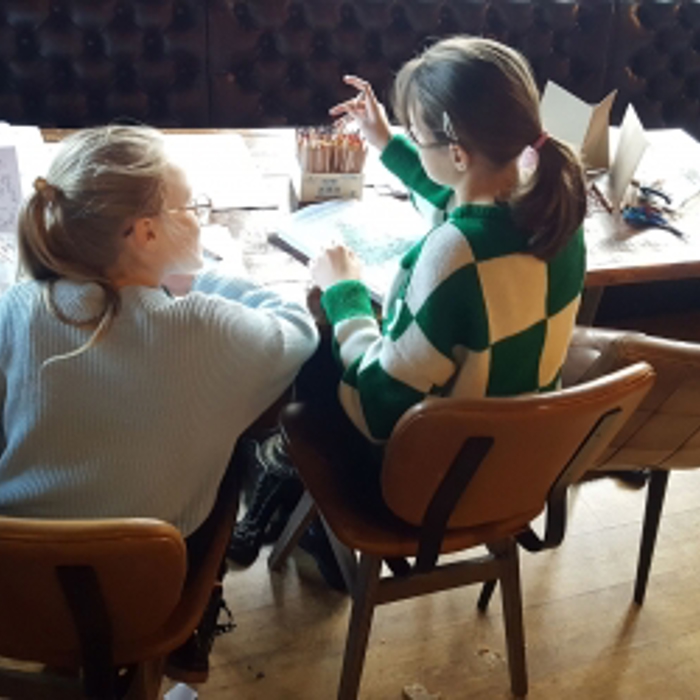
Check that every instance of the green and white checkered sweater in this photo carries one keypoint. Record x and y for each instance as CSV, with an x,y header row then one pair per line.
x,y
469,314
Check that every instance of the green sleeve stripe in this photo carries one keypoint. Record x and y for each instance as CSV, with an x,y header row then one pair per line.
x,y
346,299
383,399
401,157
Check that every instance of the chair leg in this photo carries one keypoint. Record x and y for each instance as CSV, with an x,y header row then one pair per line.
x,y
298,522
147,680
511,598
364,596
652,515
347,561
485,596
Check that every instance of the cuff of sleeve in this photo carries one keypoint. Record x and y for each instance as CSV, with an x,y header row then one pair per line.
x,y
399,153
204,280
346,299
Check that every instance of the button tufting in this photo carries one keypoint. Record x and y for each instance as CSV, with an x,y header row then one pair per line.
x,y
276,60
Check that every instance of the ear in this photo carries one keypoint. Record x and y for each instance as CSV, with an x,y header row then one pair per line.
x,y
144,234
460,158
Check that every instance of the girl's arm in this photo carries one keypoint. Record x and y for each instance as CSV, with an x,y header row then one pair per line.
x,y
384,375
250,295
252,340
398,153
401,157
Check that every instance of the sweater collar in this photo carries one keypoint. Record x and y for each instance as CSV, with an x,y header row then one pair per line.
x,y
481,211
82,301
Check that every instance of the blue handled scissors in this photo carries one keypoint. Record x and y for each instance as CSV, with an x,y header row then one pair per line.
x,y
643,217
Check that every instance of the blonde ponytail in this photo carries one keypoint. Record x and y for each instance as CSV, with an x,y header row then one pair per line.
x,y
73,225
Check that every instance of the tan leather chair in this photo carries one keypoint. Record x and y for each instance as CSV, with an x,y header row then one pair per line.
x,y
664,432
456,474
108,597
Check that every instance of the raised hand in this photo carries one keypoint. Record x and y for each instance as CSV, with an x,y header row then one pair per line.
x,y
367,111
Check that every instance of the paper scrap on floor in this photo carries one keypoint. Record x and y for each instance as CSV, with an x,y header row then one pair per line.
x,y
416,691
181,692
379,229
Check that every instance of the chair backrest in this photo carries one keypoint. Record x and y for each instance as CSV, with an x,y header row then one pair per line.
x,y
140,565
664,431
534,439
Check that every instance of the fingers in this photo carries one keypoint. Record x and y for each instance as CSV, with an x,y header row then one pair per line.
x,y
352,106
362,85
361,104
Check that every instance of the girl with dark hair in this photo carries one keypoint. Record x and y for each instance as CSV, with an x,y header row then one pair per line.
x,y
485,303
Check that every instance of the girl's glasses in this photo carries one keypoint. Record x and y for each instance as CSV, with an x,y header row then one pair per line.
x,y
412,134
444,138
200,206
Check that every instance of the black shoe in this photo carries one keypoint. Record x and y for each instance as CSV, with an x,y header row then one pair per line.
x,y
276,493
632,478
189,663
315,541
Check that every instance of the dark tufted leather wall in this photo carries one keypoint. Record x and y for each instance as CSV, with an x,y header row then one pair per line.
x,y
656,62
198,63
74,63
281,61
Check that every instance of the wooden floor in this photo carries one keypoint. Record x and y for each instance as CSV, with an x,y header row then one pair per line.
x,y
585,638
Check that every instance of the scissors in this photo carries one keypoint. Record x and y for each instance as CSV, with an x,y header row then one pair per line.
x,y
645,216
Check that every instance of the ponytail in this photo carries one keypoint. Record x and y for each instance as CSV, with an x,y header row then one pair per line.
x,y
551,205
40,228
73,225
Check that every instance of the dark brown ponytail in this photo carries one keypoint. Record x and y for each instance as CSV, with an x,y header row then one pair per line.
x,y
551,206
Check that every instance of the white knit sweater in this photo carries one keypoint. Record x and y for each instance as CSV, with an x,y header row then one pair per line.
x,y
144,422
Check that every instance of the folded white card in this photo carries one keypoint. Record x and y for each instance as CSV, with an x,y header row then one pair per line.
x,y
583,126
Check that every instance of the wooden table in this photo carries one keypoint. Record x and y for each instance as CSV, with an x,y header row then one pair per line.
x,y
617,254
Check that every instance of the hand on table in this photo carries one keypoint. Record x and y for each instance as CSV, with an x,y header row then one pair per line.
x,y
367,111
336,264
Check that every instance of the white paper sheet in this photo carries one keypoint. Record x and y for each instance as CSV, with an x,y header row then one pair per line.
x,y
564,115
379,229
631,145
583,126
10,201
220,166
33,156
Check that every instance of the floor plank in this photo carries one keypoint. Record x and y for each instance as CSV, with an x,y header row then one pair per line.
x,y
586,639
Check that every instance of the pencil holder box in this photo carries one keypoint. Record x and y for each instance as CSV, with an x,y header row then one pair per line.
x,y
318,187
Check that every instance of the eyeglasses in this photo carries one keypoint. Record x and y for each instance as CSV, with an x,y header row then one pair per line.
x,y
440,143
200,206
448,134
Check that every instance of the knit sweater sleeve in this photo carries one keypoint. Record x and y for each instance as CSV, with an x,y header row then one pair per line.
x,y
401,158
384,375
278,335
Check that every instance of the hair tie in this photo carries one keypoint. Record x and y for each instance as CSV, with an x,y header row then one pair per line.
x,y
45,189
541,139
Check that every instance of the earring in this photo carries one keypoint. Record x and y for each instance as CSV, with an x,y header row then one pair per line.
x,y
461,166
